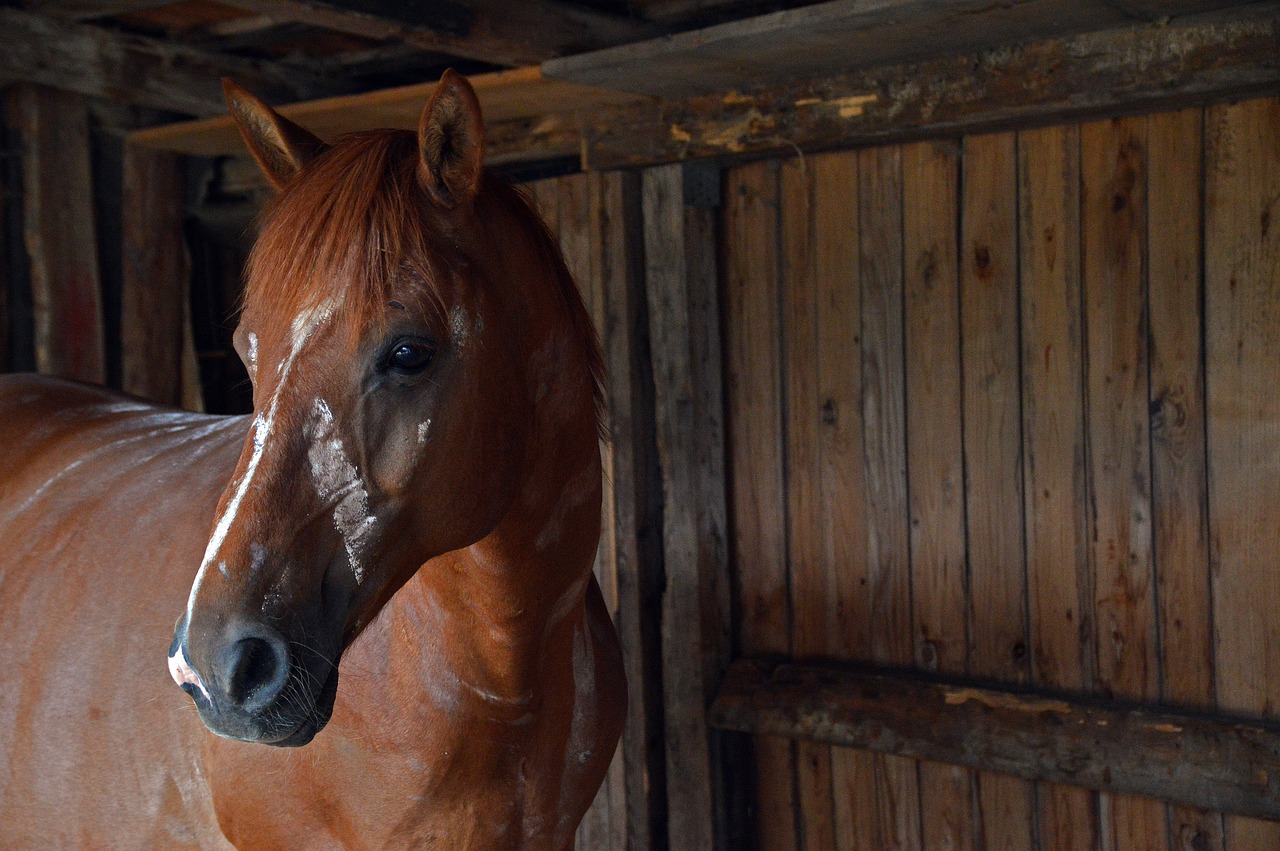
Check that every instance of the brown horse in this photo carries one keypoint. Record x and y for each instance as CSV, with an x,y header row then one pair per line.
x,y
417,493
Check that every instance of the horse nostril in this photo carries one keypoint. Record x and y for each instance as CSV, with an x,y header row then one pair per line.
x,y
257,670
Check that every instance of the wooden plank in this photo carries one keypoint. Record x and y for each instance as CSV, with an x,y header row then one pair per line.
x,y
935,458
58,231
811,597
843,519
80,10
131,69
1130,68
681,285
526,115
896,817
497,33
811,40
753,395
998,633
1175,216
156,281
1058,579
1113,237
1242,320
1217,763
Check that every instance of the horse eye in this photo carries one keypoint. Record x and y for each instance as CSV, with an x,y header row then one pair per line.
x,y
410,357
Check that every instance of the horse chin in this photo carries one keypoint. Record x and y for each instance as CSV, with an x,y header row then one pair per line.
x,y
316,720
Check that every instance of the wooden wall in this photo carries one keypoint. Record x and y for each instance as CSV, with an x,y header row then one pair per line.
x,y
1003,407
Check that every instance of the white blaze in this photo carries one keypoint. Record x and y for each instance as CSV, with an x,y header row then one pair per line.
x,y
337,481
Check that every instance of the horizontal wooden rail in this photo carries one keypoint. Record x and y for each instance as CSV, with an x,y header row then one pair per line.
x,y
1212,762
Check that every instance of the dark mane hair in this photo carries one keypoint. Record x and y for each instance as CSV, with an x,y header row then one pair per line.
x,y
352,217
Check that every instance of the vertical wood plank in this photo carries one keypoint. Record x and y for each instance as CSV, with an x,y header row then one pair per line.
x,y
1175,209
59,233
753,401
897,801
993,456
1113,243
935,458
843,515
1053,446
155,284
1242,318
811,597
616,235
680,282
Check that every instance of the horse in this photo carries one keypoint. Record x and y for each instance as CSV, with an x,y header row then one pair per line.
x,y
393,637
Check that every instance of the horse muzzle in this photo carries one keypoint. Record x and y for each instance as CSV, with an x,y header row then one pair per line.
x,y
251,688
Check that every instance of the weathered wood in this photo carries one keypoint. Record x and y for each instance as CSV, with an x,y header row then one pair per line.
x,y
80,10
837,410
156,281
680,281
1213,762
1112,250
1175,204
616,216
130,69
1060,601
993,455
498,33
1037,82
888,583
527,117
753,396
812,40
1242,350
58,231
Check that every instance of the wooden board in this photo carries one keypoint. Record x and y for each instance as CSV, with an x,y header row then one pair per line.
x,y
935,464
1215,762
1175,245
992,419
1242,321
156,283
527,117
58,231
812,40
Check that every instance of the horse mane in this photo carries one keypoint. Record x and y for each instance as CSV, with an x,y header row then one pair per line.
x,y
352,218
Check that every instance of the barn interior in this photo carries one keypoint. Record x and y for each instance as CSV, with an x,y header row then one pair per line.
x,y
943,340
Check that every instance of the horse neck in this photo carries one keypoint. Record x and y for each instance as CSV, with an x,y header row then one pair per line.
x,y
505,601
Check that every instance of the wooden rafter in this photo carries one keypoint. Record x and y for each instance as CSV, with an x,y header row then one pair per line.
x,y
134,70
499,33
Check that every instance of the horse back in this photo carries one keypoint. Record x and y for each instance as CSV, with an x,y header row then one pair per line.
x,y
105,503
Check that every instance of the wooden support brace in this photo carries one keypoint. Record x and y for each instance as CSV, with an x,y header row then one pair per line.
x,y
1208,761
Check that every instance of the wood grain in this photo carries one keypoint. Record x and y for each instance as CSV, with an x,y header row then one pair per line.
x,y
59,233
1175,216
1242,321
989,325
884,471
753,394
1058,578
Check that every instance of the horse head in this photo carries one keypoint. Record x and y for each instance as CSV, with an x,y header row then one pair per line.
x,y
404,325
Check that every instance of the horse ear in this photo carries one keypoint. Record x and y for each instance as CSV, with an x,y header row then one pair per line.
x,y
281,147
451,142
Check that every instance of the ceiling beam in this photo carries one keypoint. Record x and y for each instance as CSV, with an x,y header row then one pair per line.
x,y
500,33
135,70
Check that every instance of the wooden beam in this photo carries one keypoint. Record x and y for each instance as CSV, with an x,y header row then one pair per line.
x,y
59,232
156,277
83,10
130,69
1050,81
1213,762
527,117
510,34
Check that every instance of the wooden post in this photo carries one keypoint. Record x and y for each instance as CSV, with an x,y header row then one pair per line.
x,y
59,232
156,288
680,277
